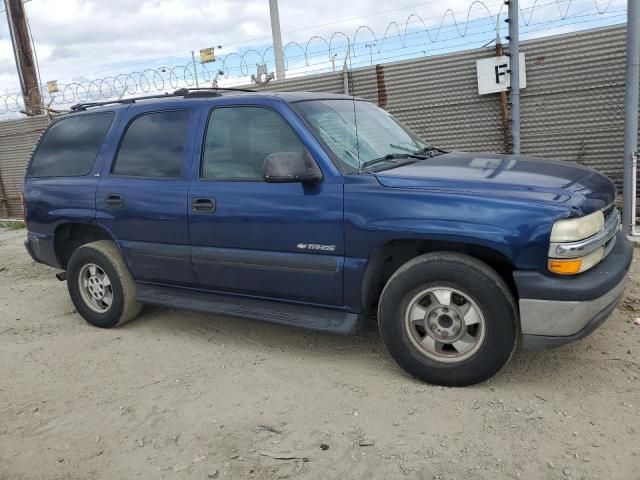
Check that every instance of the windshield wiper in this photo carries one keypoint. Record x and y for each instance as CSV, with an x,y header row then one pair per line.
x,y
430,151
390,157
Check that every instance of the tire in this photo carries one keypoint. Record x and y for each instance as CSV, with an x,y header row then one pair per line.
x,y
459,343
105,303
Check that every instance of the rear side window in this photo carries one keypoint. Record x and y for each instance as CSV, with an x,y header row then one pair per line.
x,y
70,145
153,145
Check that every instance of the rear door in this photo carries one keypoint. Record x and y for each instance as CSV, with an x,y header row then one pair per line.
x,y
273,240
142,196
62,177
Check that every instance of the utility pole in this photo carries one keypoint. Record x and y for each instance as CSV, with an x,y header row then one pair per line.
x,y
277,39
514,60
631,117
24,56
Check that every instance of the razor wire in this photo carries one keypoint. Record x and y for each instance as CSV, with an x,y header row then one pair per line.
x,y
235,65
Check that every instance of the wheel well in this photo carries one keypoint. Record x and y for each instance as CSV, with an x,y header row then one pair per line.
x,y
386,260
69,236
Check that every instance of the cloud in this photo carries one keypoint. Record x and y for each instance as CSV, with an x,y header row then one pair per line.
x,y
95,38
84,36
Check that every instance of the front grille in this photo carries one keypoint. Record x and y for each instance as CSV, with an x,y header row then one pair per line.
x,y
608,212
608,247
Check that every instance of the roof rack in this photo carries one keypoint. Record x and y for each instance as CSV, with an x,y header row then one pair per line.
x,y
181,92
188,91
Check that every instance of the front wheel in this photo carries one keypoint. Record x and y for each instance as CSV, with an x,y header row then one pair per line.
x,y
448,319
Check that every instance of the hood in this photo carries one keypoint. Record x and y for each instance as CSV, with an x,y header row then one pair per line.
x,y
533,179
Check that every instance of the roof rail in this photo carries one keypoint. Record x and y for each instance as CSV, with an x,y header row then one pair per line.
x,y
83,106
181,92
207,91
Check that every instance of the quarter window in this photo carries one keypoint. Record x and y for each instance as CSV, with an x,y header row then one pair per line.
x,y
70,145
238,140
153,145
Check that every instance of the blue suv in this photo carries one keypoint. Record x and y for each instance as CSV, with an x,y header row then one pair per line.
x,y
320,211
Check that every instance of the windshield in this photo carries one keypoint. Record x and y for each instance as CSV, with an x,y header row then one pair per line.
x,y
357,131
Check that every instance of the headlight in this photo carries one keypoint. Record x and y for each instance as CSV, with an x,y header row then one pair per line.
x,y
575,229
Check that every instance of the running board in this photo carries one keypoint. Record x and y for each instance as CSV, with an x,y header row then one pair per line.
x,y
312,318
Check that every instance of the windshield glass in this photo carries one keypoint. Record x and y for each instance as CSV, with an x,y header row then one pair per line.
x,y
358,131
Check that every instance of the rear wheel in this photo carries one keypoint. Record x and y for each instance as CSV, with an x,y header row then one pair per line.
x,y
100,285
448,319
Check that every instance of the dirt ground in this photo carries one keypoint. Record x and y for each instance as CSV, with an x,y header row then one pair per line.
x,y
180,395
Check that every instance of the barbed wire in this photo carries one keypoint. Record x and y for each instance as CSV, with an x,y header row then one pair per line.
x,y
433,34
235,66
563,15
395,56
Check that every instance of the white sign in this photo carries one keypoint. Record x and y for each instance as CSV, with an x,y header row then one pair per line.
x,y
494,76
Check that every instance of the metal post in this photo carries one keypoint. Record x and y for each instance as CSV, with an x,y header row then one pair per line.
x,y
3,198
514,57
277,39
195,70
631,115
370,47
634,177
504,101
345,68
345,78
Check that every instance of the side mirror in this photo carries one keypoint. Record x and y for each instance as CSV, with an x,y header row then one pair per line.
x,y
290,167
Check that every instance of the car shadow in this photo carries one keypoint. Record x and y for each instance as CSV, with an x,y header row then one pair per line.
x,y
531,368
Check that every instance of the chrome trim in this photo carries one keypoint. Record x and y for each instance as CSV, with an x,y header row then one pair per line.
x,y
563,318
584,247
609,246
607,207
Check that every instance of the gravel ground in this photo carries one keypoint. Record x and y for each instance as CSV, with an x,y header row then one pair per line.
x,y
183,395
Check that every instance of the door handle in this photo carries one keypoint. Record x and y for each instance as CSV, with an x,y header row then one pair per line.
x,y
203,205
114,200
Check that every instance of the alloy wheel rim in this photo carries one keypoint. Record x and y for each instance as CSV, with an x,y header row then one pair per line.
x,y
95,288
444,324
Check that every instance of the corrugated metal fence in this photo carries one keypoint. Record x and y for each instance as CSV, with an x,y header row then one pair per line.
x,y
17,139
572,107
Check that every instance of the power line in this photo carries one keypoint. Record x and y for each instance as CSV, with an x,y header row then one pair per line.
x,y
476,5
473,6
392,48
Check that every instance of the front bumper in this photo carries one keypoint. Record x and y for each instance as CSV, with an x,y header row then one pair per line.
x,y
557,310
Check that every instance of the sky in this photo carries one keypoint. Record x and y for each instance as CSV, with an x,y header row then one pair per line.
x,y
81,40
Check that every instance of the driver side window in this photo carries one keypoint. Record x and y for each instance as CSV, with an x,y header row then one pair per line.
x,y
238,139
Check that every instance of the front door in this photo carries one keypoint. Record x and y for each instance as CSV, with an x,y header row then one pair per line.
x,y
142,195
272,240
